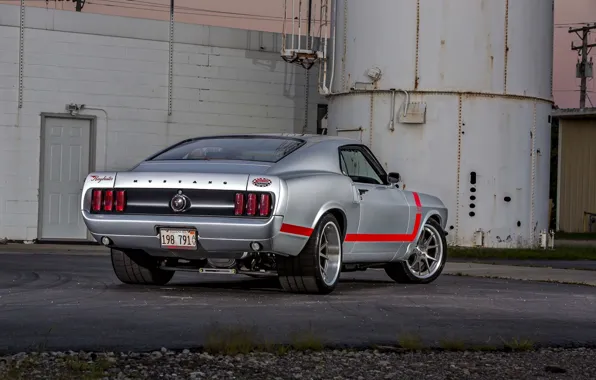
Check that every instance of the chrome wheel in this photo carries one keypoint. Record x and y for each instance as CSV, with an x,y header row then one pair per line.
x,y
427,255
329,253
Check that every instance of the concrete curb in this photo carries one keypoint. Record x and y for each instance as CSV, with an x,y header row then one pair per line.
x,y
565,276
575,243
56,249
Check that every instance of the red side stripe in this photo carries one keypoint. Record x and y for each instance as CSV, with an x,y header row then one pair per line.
x,y
366,238
391,238
296,230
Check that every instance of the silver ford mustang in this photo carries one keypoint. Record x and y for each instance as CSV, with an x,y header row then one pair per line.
x,y
303,208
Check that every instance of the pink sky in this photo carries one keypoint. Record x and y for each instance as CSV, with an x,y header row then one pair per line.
x,y
267,15
565,84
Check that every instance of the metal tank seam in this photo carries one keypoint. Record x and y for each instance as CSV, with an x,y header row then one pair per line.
x,y
457,196
306,94
434,92
343,60
506,53
21,53
417,67
171,61
533,180
552,47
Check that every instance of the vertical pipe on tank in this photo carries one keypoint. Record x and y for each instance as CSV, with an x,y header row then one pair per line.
x,y
333,28
293,22
506,52
299,24
371,119
392,119
308,26
533,180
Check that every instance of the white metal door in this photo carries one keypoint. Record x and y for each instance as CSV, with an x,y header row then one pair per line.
x,y
66,155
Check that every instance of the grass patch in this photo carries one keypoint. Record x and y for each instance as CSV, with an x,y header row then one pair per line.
x,y
518,345
575,236
243,340
559,253
231,341
87,370
458,345
69,367
452,345
308,341
410,342
18,369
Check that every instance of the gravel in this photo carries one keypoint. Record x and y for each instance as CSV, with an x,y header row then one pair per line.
x,y
331,364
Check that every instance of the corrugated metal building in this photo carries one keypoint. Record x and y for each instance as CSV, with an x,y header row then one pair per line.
x,y
576,178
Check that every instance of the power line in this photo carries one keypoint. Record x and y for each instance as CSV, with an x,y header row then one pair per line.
x,y
159,7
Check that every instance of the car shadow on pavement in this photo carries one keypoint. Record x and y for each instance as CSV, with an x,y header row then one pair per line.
x,y
246,284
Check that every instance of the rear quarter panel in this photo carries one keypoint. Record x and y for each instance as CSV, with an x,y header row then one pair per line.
x,y
305,198
433,206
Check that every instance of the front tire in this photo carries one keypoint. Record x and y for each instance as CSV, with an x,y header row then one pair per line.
x,y
137,267
427,261
316,269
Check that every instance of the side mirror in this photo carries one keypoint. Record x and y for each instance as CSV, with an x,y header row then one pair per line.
x,y
393,178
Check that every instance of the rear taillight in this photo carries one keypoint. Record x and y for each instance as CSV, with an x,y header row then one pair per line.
x,y
264,205
108,200
252,204
239,204
96,200
120,200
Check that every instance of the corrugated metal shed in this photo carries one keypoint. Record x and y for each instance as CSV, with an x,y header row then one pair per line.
x,y
576,179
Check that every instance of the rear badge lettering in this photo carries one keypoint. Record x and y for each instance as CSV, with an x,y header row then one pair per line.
x,y
261,182
96,178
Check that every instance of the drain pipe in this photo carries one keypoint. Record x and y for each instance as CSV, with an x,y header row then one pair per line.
x,y
85,107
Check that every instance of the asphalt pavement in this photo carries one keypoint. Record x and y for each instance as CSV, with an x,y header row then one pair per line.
x,y
62,302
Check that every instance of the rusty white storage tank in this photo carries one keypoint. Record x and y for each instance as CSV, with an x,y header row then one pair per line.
x,y
455,95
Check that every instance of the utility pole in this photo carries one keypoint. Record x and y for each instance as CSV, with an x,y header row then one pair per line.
x,y
307,73
583,67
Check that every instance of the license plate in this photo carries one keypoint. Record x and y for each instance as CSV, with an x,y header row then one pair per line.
x,y
178,239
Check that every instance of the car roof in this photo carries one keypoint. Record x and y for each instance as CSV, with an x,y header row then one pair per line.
x,y
308,137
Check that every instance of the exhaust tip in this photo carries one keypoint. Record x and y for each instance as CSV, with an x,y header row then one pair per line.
x,y
256,246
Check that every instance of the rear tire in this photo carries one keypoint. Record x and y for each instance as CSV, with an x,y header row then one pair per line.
x,y
431,249
137,267
317,268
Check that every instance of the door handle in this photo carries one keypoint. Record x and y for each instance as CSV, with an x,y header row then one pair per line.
x,y
362,191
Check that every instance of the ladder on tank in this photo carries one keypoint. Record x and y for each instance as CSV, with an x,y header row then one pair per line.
x,y
299,48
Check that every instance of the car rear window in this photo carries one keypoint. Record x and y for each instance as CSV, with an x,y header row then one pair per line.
x,y
265,149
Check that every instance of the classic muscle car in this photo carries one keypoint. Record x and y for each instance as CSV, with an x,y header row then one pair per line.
x,y
303,208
